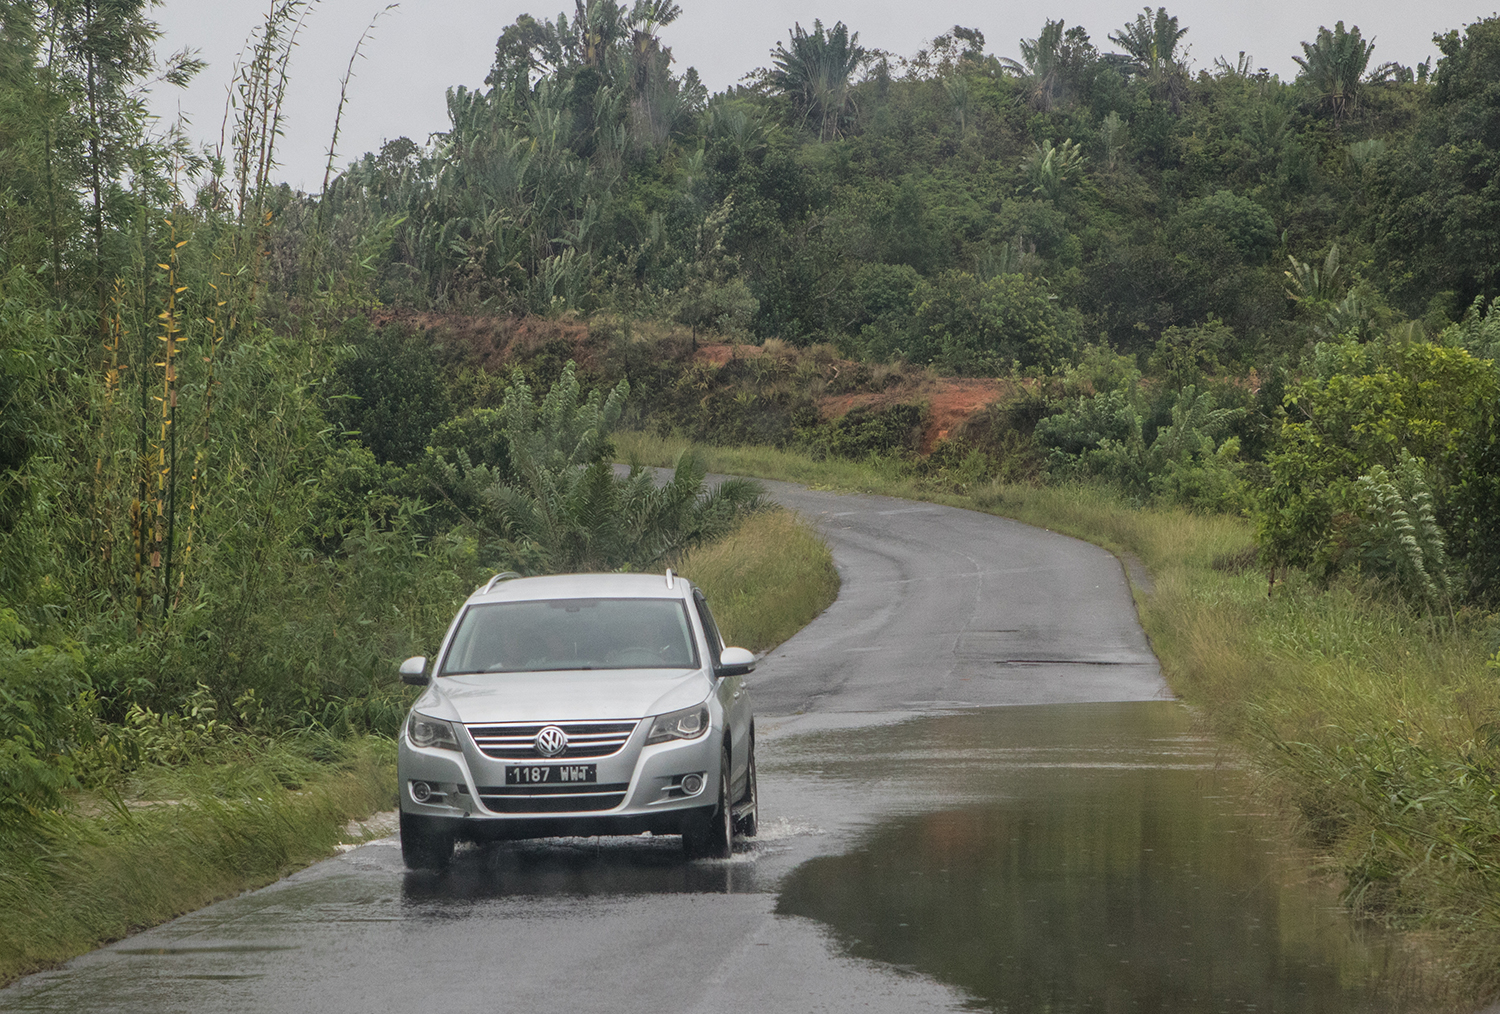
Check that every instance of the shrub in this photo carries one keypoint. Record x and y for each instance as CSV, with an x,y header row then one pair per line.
x,y
863,431
40,690
353,490
1365,406
389,390
1188,461
973,325
1473,514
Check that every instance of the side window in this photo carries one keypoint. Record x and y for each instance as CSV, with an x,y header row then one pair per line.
x,y
715,641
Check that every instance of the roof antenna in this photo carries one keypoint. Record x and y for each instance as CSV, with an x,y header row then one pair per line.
x,y
669,577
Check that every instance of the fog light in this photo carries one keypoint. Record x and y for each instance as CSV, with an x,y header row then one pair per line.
x,y
692,784
421,791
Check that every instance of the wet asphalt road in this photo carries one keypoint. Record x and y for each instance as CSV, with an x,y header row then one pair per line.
x,y
942,611
946,608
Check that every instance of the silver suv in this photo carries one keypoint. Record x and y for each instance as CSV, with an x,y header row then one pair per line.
x,y
584,704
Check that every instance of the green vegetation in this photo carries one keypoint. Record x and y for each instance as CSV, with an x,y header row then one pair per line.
x,y
255,444
243,816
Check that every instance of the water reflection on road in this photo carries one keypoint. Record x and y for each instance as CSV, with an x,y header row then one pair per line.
x,y
1077,858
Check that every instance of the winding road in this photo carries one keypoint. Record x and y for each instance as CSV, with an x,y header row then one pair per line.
x,y
895,793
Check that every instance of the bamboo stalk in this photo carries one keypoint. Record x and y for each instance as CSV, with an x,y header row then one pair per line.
x,y
112,370
200,454
165,520
316,245
138,506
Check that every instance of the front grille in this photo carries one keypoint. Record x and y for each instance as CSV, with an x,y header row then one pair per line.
x,y
552,798
513,740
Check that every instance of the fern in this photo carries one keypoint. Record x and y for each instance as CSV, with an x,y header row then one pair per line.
x,y
1402,542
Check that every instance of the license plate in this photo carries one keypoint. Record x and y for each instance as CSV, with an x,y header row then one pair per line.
x,y
553,774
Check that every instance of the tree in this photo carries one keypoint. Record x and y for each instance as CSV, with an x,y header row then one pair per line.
x,y
1151,41
817,72
100,50
1056,66
1334,65
388,391
970,324
1438,202
1244,225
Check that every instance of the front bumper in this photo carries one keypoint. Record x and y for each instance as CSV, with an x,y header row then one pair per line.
x,y
639,788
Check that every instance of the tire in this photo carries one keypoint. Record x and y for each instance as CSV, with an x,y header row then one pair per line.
x,y
713,838
423,847
749,821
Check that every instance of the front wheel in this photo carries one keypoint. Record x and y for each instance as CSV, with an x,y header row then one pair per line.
x,y
748,822
713,838
424,847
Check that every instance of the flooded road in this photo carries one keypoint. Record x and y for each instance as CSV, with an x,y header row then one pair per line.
x,y
1085,858
976,795
1061,858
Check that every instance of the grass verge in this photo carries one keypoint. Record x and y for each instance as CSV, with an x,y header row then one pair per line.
x,y
766,580
72,881
1377,729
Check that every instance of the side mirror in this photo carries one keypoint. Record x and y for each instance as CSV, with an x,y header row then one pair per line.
x,y
735,662
414,671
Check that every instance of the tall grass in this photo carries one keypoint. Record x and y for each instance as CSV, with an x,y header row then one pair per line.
x,y
1378,729
766,580
72,881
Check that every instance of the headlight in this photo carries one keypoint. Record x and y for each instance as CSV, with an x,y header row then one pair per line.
x,y
689,723
431,732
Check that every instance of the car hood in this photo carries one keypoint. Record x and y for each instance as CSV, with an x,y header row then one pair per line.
x,y
569,696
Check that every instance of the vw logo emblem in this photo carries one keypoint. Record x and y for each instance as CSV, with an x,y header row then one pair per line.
x,y
551,741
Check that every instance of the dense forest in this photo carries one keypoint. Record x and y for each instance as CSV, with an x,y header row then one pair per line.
x,y
247,459
1176,256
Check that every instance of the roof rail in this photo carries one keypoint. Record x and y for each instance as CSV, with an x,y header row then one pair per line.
x,y
504,575
670,579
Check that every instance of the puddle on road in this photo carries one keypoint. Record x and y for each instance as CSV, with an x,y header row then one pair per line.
x,y
1093,858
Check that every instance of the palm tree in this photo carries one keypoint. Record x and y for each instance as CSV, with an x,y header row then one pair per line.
x,y
1054,63
645,18
1151,41
1334,64
598,25
817,72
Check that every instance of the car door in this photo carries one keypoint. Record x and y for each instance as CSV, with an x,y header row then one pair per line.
x,y
732,697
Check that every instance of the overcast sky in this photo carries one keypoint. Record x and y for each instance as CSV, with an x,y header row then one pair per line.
x,y
423,47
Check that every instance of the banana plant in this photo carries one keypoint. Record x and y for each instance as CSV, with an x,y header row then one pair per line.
x,y
1311,283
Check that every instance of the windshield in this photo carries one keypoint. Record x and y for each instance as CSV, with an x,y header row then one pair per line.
x,y
554,634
